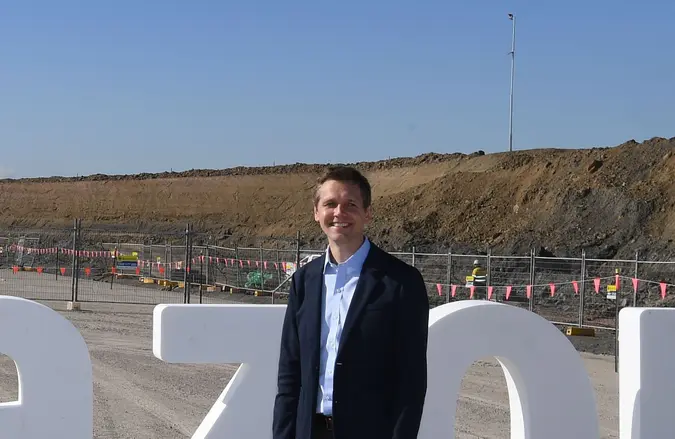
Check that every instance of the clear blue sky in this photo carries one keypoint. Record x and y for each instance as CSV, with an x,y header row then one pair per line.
x,y
145,86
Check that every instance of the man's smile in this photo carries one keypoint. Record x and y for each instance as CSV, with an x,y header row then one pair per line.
x,y
339,225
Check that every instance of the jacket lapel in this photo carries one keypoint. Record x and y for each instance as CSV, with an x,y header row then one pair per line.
x,y
314,311
366,285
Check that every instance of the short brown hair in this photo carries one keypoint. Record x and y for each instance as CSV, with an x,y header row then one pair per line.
x,y
345,174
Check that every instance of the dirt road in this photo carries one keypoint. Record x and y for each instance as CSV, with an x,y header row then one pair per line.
x,y
138,396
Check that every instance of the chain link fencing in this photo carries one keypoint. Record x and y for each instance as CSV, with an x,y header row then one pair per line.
x,y
92,264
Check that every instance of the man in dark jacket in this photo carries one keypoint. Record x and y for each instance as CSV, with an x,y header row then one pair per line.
x,y
354,340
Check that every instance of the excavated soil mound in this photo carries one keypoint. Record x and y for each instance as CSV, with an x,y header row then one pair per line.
x,y
609,201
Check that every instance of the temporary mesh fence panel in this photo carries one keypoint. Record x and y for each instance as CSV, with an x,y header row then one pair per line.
x,y
602,292
113,268
511,275
554,295
655,279
434,270
36,265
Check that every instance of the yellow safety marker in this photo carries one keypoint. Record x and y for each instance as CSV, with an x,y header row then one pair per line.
x,y
583,332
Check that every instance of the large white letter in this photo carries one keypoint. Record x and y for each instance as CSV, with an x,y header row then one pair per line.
x,y
247,334
550,393
54,370
646,385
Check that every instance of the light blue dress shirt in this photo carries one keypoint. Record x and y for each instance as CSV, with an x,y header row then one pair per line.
x,y
339,283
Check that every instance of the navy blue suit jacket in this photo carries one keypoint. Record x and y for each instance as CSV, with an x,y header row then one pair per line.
x,y
380,376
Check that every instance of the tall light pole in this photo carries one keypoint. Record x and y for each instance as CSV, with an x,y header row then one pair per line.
x,y
513,67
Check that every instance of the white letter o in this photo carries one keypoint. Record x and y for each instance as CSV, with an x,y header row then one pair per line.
x,y
550,393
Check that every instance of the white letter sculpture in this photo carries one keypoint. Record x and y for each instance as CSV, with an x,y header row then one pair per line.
x,y
248,334
547,382
54,371
646,384
550,393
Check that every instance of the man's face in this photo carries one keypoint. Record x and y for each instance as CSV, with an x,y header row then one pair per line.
x,y
340,212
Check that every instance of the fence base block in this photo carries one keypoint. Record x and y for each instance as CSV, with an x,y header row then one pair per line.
x,y
584,332
73,306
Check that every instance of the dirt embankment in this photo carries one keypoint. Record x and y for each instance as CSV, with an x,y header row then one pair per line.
x,y
609,201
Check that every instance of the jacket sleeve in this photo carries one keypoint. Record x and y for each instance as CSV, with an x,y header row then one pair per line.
x,y
411,362
288,379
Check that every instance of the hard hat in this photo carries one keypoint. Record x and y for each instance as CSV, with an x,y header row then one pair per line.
x,y
476,262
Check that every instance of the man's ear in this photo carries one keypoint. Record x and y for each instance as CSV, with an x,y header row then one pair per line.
x,y
369,214
316,214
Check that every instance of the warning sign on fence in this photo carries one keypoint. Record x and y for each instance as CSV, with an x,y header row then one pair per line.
x,y
127,262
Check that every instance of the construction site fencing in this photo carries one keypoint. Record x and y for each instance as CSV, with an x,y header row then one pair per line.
x,y
90,264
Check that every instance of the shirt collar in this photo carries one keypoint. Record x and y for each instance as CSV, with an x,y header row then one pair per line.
x,y
354,262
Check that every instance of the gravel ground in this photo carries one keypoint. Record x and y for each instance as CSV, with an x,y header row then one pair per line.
x,y
138,396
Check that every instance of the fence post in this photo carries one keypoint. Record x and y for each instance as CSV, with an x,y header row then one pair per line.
x,y
113,256
449,276
201,270
582,296
533,262
56,272
207,258
224,272
616,328
297,251
152,261
236,258
413,256
74,262
187,264
278,261
262,272
77,272
489,273
637,264
170,260
190,257
166,258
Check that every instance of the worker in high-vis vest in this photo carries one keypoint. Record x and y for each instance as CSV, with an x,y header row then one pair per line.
x,y
479,280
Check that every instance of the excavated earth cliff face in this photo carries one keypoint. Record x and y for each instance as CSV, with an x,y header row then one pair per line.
x,y
609,201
